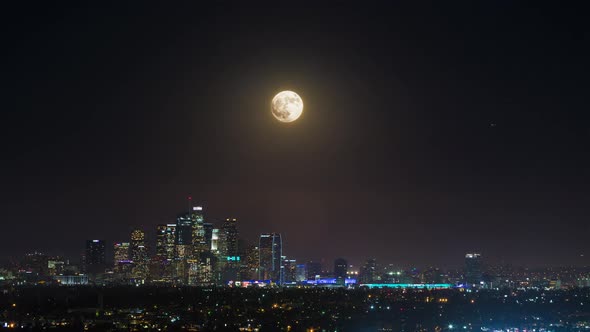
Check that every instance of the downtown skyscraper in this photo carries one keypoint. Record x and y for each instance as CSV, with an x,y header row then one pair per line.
x,y
270,252
183,237
139,254
95,256
161,252
473,269
199,242
122,262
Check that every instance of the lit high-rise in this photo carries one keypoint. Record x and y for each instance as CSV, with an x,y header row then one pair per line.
x,y
230,231
252,261
121,251
198,240
135,245
270,251
183,237
473,269
300,273
289,270
208,227
139,254
161,252
122,262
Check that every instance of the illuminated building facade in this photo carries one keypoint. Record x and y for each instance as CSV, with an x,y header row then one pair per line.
x,y
270,251
252,263
170,240
300,273
139,254
161,268
473,269
184,237
289,271
198,240
230,231
55,265
191,242
208,227
161,252
216,244
121,251
137,241
215,240
72,280
409,286
122,260
228,258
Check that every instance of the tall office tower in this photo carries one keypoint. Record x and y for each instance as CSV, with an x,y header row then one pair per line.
x,y
340,268
230,231
225,248
137,240
95,256
202,270
215,241
473,269
208,227
368,271
170,240
218,263
139,254
252,262
166,268
121,251
221,243
270,252
161,253
289,270
243,268
184,237
199,241
314,270
300,273
122,263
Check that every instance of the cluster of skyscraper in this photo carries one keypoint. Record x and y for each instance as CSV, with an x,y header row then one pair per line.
x,y
194,252
191,252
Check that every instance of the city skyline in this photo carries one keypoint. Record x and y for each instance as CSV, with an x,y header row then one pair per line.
x,y
153,235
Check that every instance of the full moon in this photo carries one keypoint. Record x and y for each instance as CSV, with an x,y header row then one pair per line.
x,y
286,106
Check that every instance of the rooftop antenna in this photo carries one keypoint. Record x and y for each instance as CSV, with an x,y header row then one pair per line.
x,y
190,204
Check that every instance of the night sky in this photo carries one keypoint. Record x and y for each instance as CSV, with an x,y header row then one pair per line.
x,y
428,131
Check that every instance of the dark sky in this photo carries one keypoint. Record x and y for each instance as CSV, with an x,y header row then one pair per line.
x,y
428,131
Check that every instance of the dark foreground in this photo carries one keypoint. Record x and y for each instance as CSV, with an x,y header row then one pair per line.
x,y
226,309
